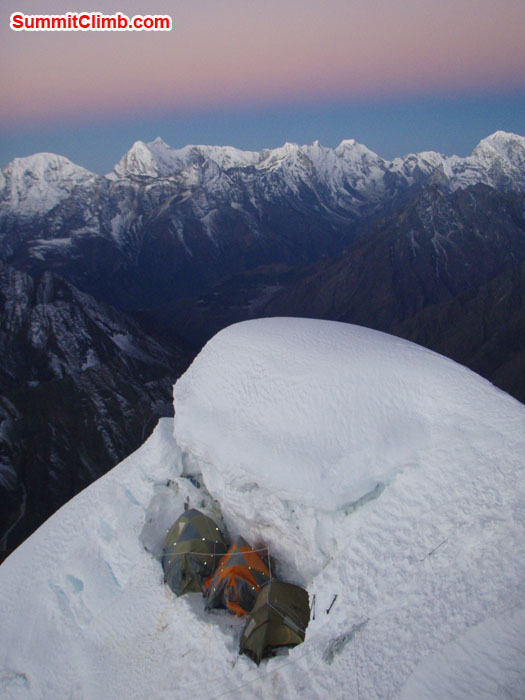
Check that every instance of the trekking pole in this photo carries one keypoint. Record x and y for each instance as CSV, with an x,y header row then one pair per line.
x,y
313,607
331,604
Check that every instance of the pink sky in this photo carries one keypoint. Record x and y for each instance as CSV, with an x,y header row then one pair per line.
x,y
248,51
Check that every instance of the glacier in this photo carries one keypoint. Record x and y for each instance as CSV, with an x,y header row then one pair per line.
x,y
384,478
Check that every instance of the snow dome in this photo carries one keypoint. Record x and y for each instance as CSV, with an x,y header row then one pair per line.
x,y
296,423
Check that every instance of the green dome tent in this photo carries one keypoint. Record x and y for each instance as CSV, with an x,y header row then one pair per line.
x,y
193,548
279,618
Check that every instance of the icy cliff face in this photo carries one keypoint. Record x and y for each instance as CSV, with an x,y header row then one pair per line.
x,y
291,425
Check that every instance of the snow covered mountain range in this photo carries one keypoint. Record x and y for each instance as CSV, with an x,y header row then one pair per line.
x,y
498,159
346,174
197,213
386,479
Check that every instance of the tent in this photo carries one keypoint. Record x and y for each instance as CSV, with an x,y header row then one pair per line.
x,y
239,576
279,618
192,551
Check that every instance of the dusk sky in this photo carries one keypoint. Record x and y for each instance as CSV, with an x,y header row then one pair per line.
x,y
396,75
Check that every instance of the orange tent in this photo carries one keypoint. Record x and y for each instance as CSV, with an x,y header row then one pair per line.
x,y
239,577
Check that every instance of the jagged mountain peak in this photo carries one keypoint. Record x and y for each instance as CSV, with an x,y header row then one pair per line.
x,y
156,158
158,141
139,160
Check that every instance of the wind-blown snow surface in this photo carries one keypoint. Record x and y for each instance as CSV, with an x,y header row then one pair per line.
x,y
375,471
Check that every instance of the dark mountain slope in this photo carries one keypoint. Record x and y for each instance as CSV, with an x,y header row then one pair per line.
x,y
483,328
82,386
446,272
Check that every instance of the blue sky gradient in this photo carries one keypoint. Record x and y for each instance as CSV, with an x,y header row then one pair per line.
x,y
390,127
398,77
